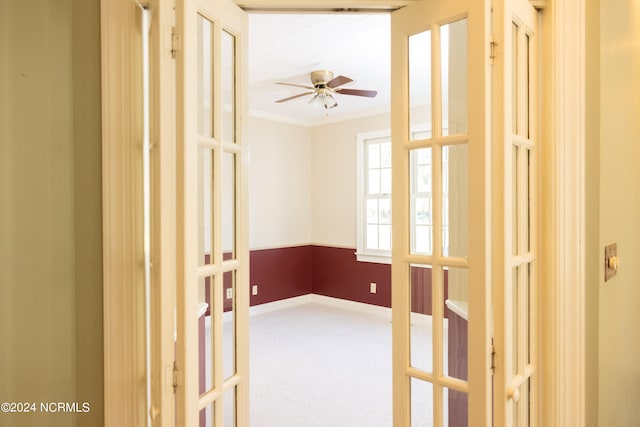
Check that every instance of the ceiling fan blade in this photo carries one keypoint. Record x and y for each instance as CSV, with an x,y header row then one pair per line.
x,y
358,92
296,85
294,97
338,81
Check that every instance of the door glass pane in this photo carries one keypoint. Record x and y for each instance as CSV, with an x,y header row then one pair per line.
x,y
421,201
229,324
228,73
229,205
205,77
206,416
527,110
456,345
421,310
421,403
455,408
514,78
515,324
229,401
420,80
528,297
205,205
455,201
205,334
527,176
515,238
453,70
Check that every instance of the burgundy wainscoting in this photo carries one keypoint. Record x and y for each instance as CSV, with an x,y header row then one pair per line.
x,y
280,273
227,282
421,293
458,358
337,273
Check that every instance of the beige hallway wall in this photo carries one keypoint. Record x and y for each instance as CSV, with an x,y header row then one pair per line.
x,y
50,209
619,298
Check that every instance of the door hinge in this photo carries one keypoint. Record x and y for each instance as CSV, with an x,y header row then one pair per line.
x,y
493,359
492,50
171,42
176,377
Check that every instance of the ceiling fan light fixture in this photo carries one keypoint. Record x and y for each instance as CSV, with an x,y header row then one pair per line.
x,y
323,89
323,100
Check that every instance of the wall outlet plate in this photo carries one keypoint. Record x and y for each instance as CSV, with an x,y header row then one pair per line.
x,y
254,290
229,293
609,251
372,287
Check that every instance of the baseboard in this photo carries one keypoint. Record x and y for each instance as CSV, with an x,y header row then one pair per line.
x,y
279,305
320,299
352,305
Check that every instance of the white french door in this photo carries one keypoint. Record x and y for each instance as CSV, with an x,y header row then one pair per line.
x,y
212,249
441,208
516,153
465,213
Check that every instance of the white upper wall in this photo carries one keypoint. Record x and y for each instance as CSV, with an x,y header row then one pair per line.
x,y
279,184
302,182
333,182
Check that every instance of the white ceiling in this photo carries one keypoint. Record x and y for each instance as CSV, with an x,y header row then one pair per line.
x,y
287,47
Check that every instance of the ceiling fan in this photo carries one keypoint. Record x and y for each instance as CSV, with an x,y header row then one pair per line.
x,y
324,87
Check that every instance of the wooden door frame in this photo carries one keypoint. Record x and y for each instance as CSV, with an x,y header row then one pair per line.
x,y
563,221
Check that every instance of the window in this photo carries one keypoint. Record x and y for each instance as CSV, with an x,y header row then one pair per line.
x,y
374,197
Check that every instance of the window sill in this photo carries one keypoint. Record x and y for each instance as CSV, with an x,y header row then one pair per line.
x,y
380,259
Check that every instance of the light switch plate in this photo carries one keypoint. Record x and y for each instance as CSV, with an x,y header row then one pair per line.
x,y
609,251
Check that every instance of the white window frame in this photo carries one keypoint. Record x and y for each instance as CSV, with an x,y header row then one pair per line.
x,y
363,254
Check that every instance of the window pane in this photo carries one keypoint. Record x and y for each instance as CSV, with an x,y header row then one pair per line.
x,y
205,77
385,181
420,79
385,155
423,211
372,211
374,182
373,156
385,237
384,211
228,56
423,238
372,237
453,62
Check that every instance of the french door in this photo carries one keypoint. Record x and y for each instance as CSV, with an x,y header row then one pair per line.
x,y
464,233
212,252
516,151
464,206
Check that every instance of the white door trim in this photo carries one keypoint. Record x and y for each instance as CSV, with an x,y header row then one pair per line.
x,y
563,219
123,282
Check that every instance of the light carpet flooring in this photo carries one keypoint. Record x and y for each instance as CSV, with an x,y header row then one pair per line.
x,y
316,365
